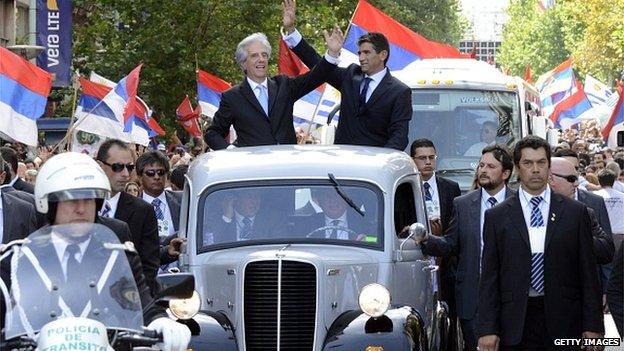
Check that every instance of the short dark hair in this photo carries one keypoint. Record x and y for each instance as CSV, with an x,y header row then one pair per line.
x,y
606,177
378,41
102,154
422,142
177,176
502,155
149,158
533,142
9,155
566,153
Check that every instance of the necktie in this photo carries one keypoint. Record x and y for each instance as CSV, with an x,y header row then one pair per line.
x,y
334,233
106,210
159,213
537,259
428,196
536,215
492,201
245,231
75,281
367,81
263,99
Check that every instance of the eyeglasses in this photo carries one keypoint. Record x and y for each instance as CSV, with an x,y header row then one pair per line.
x,y
570,178
152,172
424,158
118,167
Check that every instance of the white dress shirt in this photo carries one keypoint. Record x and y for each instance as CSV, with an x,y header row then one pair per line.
x,y
60,245
112,202
485,205
256,92
12,182
433,206
165,227
240,225
340,234
537,235
375,80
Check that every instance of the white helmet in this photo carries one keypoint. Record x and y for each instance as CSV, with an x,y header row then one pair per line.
x,y
70,176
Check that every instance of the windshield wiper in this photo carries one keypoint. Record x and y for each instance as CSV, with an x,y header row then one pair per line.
x,y
344,195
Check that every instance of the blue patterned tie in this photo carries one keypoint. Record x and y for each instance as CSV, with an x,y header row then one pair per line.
x,y
367,81
159,213
263,99
106,210
536,215
245,231
537,259
492,201
428,196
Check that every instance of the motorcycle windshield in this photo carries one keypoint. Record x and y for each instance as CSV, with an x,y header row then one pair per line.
x,y
74,270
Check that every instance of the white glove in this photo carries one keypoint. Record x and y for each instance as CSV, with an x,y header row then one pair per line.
x,y
176,336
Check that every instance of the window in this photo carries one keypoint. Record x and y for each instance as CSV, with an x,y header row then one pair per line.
x,y
404,208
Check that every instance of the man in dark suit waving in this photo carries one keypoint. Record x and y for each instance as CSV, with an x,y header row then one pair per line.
x,y
464,238
375,107
538,274
261,108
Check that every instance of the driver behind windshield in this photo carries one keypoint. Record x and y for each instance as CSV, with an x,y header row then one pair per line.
x,y
488,137
69,189
341,224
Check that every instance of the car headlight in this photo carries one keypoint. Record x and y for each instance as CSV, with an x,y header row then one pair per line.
x,y
185,308
374,300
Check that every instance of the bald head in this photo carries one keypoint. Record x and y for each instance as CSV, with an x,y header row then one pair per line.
x,y
561,170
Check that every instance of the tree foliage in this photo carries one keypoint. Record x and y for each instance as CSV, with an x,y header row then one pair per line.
x,y
170,37
589,31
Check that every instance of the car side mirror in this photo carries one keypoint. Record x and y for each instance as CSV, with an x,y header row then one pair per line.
x,y
417,232
175,285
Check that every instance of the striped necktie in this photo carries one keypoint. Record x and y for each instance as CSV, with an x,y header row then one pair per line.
x,y
106,211
428,196
537,259
159,213
492,201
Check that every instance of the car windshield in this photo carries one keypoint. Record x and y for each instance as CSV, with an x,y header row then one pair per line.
x,y
296,213
47,286
461,123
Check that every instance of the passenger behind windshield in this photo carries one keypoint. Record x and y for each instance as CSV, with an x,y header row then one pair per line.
x,y
245,216
338,219
488,137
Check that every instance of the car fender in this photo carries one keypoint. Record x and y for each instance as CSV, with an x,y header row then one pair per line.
x,y
211,331
398,329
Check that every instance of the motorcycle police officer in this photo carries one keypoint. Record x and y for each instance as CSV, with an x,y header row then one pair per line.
x,y
69,189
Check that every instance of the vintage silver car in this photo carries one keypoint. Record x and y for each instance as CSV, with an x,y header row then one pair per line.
x,y
303,248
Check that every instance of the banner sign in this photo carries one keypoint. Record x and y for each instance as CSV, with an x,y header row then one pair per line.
x,y
54,33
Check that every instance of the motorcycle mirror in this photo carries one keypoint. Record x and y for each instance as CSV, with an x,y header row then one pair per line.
x,y
175,285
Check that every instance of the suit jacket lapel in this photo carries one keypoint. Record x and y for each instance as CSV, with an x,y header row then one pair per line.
x,y
554,212
124,207
442,201
9,220
174,210
385,84
517,216
250,96
272,87
357,84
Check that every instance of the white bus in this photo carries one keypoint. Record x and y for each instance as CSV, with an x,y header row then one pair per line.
x,y
463,105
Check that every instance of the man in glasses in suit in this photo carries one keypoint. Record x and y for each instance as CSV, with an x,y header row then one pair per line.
x,y
117,160
152,167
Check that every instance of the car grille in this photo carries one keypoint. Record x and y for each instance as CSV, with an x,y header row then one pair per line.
x,y
297,306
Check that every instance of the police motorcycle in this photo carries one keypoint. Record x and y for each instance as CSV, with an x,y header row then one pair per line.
x,y
56,303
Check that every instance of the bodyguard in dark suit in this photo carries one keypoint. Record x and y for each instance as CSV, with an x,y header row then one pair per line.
x,y
375,107
117,160
10,156
538,274
153,170
439,195
261,108
463,238
564,180
615,291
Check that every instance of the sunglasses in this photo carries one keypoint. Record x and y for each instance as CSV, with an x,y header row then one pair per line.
x,y
118,167
152,172
570,178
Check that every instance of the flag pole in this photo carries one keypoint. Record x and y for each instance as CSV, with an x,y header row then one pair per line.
x,y
72,118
